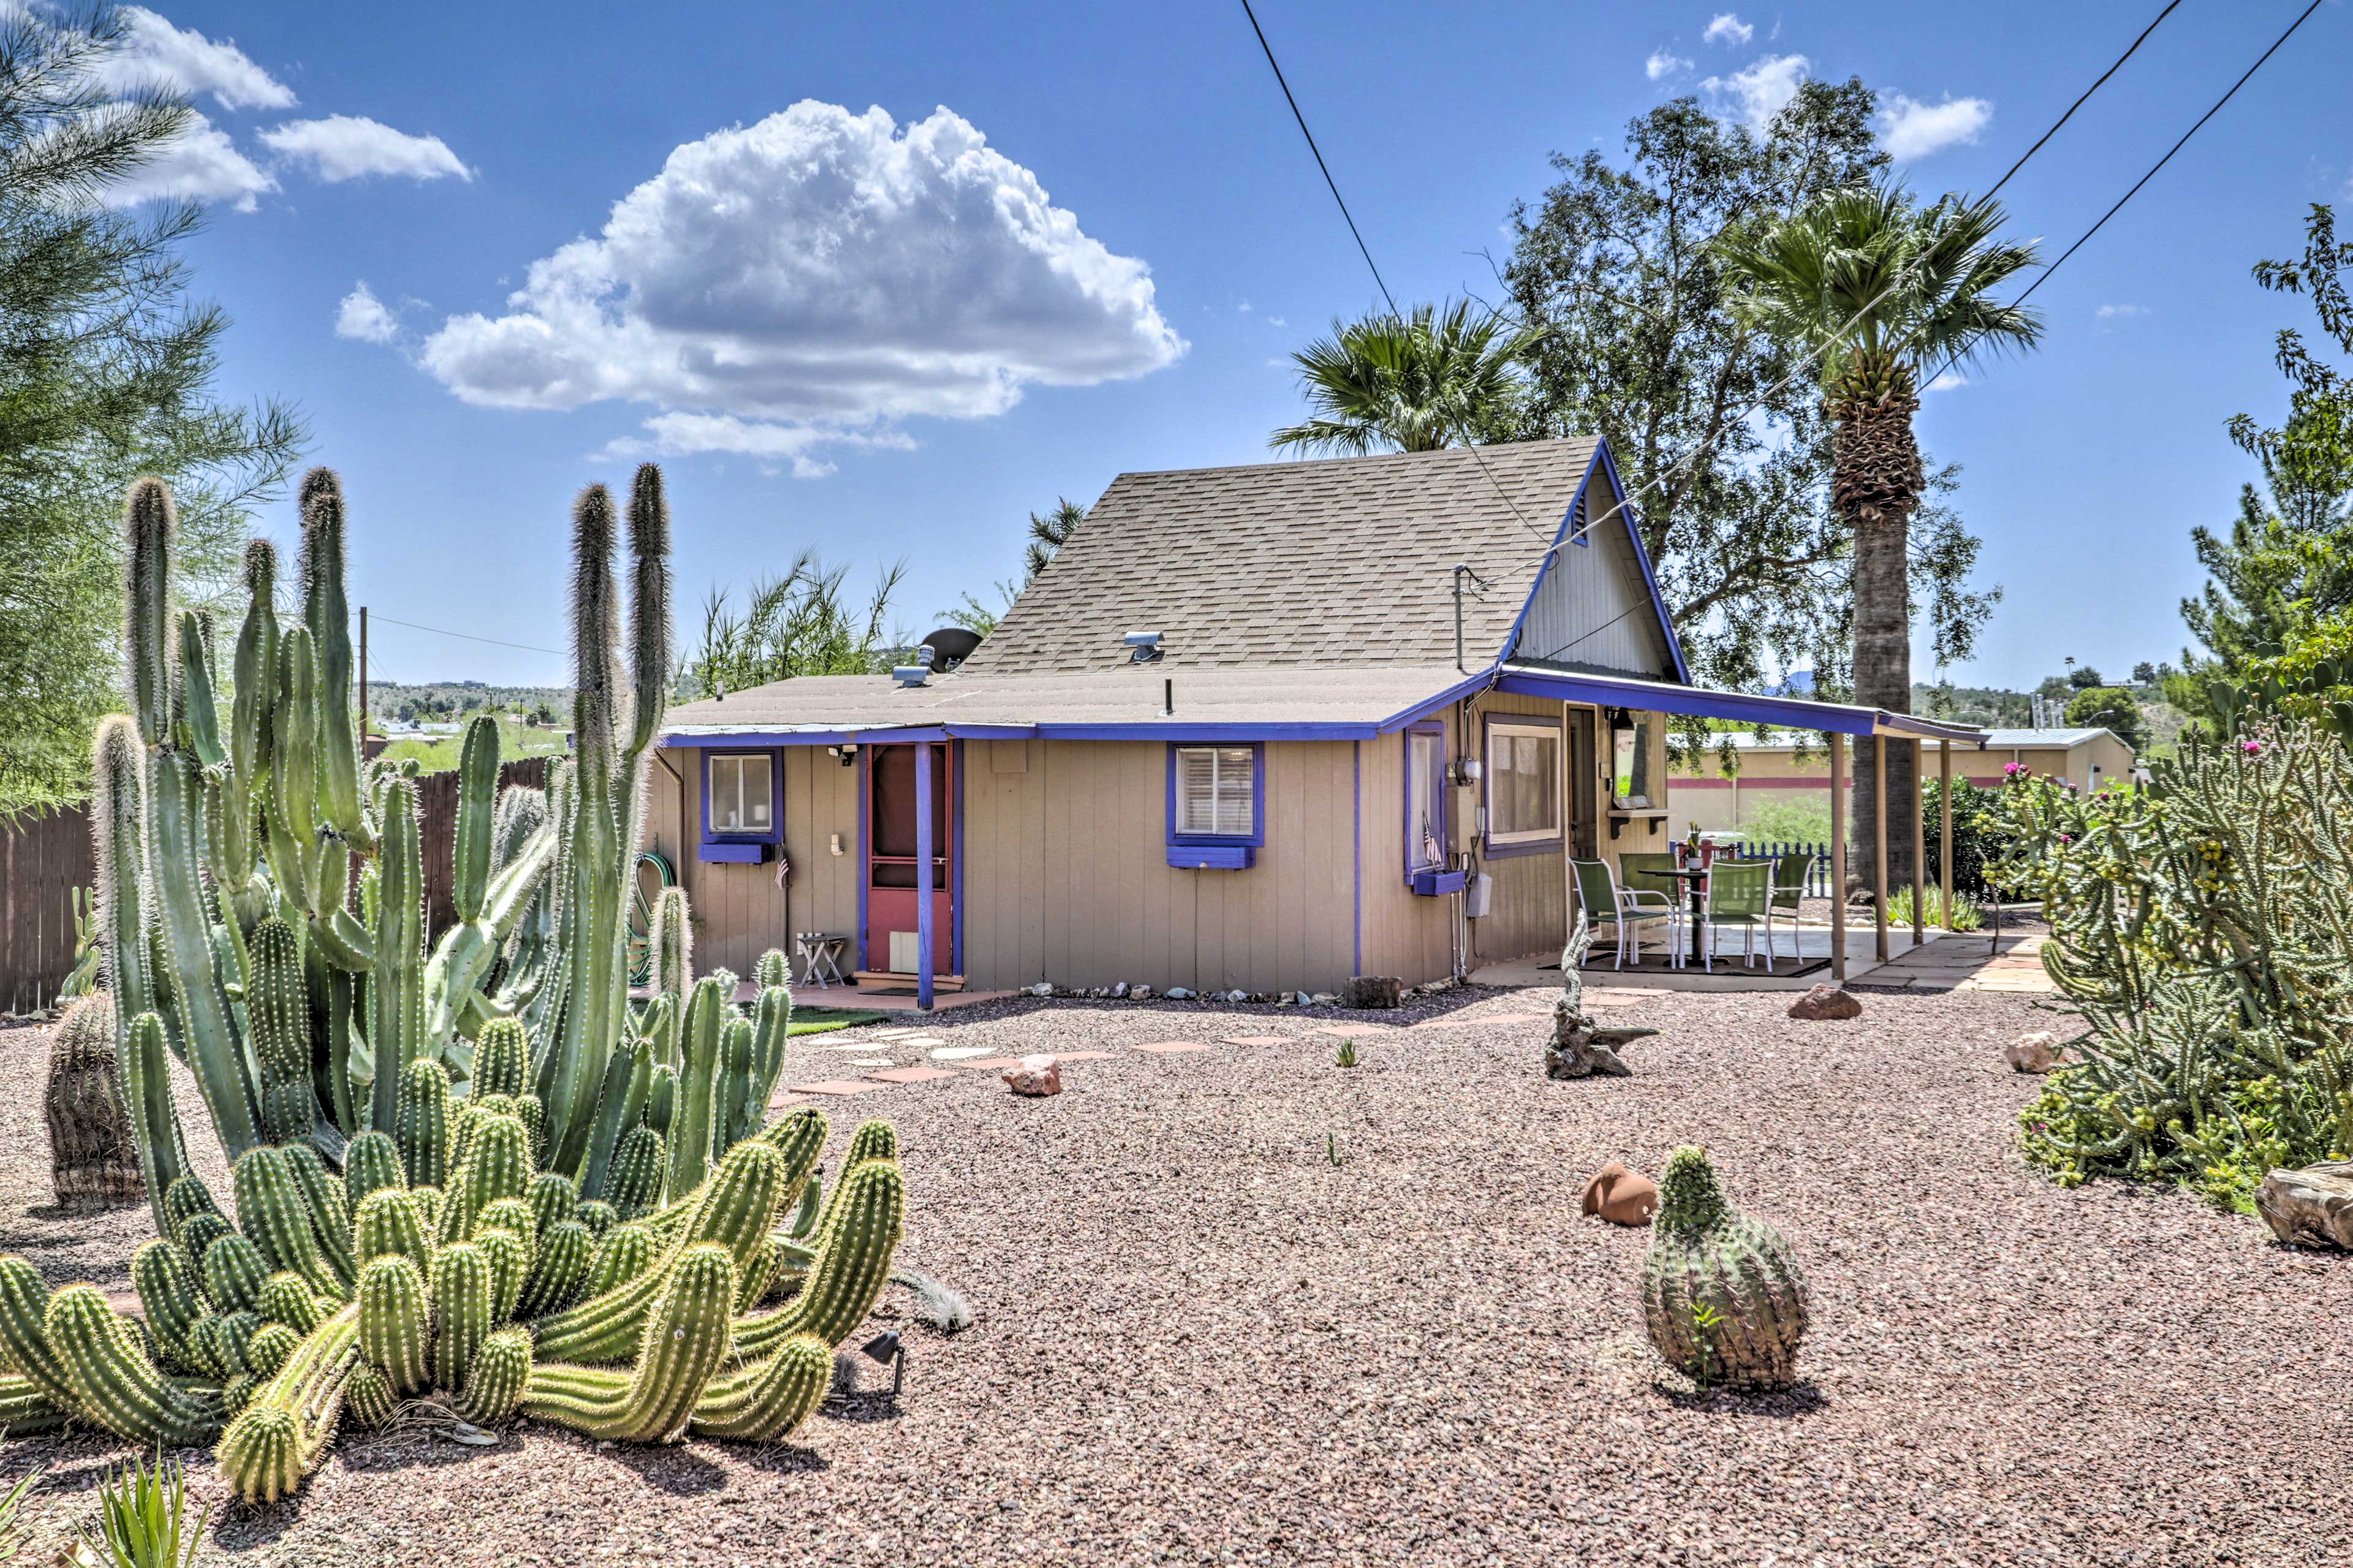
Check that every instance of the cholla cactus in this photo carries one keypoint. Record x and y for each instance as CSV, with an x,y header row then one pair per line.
x,y
1722,1296
2203,929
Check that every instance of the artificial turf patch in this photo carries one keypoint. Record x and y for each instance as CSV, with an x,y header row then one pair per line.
x,y
822,1020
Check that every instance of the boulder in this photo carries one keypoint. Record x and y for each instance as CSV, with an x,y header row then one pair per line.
x,y
1120,991
2310,1207
2037,1052
1372,991
1621,1196
1825,1003
1035,1075
1178,994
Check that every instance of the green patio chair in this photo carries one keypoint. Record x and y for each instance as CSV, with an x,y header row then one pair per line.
x,y
1789,874
1740,893
1628,909
1640,872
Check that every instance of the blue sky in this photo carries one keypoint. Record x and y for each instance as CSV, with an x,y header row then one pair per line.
x,y
1087,236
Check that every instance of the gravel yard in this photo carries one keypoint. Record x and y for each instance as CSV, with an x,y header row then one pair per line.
x,y
1240,1305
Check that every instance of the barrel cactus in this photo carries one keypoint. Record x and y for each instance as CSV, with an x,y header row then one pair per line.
x,y
1722,1296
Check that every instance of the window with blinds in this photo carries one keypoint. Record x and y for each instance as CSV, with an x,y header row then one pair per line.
x,y
742,793
1522,783
1216,790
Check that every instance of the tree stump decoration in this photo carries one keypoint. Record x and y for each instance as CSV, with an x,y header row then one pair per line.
x,y
2310,1207
93,1157
1579,1048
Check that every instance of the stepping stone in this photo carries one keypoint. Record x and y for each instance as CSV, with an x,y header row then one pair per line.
x,y
871,1062
916,1040
1255,1040
783,1100
837,1086
960,1053
910,1075
992,1064
1170,1047
1080,1056
867,1046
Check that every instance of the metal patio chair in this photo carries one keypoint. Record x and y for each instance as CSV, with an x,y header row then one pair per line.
x,y
1740,893
1629,910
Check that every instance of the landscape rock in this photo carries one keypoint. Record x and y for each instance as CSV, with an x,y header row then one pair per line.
x,y
1139,993
1325,998
1372,991
1825,1003
1621,1196
1300,999
1237,995
1035,1075
1044,988
2037,1052
2310,1207
1179,994
1120,990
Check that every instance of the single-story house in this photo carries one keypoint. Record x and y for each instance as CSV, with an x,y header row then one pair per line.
x,y
1785,766
1261,728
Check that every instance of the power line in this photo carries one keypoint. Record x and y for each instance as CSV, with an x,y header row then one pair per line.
x,y
469,637
1804,364
2160,164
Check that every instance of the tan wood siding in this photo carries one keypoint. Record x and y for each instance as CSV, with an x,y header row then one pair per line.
x,y
740,912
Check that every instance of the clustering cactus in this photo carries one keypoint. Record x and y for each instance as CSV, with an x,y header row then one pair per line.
x,y
2202,931
1722,1296
467,1169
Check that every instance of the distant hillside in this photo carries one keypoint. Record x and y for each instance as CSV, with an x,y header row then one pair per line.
x,y
447,701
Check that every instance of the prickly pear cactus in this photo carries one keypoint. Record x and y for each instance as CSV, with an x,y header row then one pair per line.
x,y
1722,1296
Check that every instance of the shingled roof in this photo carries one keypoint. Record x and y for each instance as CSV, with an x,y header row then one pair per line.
x,y
1344,560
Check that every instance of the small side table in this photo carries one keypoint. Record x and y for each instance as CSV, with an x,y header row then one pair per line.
x,y
820,953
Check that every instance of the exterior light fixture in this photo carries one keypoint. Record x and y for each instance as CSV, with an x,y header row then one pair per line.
x,y
885,1350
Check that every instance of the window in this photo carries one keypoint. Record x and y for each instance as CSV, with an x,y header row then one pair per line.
x,y
741,796
1425,798
1523,784
1630,764
1213,792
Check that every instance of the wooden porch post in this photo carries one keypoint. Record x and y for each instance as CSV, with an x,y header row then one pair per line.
x,y
1567,831
1945,828
1838,857
924,875
1919,849
1879,866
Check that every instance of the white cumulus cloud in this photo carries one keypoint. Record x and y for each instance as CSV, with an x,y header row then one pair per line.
x,y
2107,312
1762,89
347,146
1664,64
817,276
201,164
1727,28
155,52
364,316
1948,380
1911,128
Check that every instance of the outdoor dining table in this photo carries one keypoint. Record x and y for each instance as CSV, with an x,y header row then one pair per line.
x,y
1694,882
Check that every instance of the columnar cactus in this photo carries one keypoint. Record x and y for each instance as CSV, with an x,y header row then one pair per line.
x,y
1722,1296
852,1264
93,1150
370,1164
112,1381
278,1438
463,1290
423,1123
767,1400
389,1223
502,1058
684,1343
394,1329
497,1380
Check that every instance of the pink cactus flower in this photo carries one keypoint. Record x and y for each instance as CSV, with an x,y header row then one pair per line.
x,y
2252,748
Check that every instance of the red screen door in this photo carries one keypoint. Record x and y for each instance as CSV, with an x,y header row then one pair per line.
x,y
894,877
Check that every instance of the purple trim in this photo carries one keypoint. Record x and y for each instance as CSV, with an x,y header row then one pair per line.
x,y
732,852
1487,722
1257,835
1356,857
1205,734
1633,517
1438,884
1412,863
752,849
865,871
1601,690
924,899
1195,855
956,858
1468,687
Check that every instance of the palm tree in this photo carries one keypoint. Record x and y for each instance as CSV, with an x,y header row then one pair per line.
x,y
1883,288
1051,532
1392,383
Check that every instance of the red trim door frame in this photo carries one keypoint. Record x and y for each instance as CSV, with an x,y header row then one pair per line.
x,y
892,870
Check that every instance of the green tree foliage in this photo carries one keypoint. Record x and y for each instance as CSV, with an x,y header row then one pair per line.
x,y
1886,290
799,623
2287,563
1049,532
2110,708
1616,274
1415,383
106,374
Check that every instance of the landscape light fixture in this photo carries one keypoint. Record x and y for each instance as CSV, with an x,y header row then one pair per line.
x,y
885,1350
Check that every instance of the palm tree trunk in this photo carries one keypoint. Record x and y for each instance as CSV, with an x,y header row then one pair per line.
x,y
1876,486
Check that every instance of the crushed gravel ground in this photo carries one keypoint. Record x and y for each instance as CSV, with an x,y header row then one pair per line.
x,y
1242,1306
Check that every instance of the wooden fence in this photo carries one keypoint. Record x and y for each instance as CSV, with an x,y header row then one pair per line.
x,y
44,859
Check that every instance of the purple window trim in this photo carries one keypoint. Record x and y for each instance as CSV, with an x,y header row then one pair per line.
x,y
1438,790
956,859
774,832
1491,849
1256,837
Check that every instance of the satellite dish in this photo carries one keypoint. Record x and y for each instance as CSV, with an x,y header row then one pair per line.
x,y
950,646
